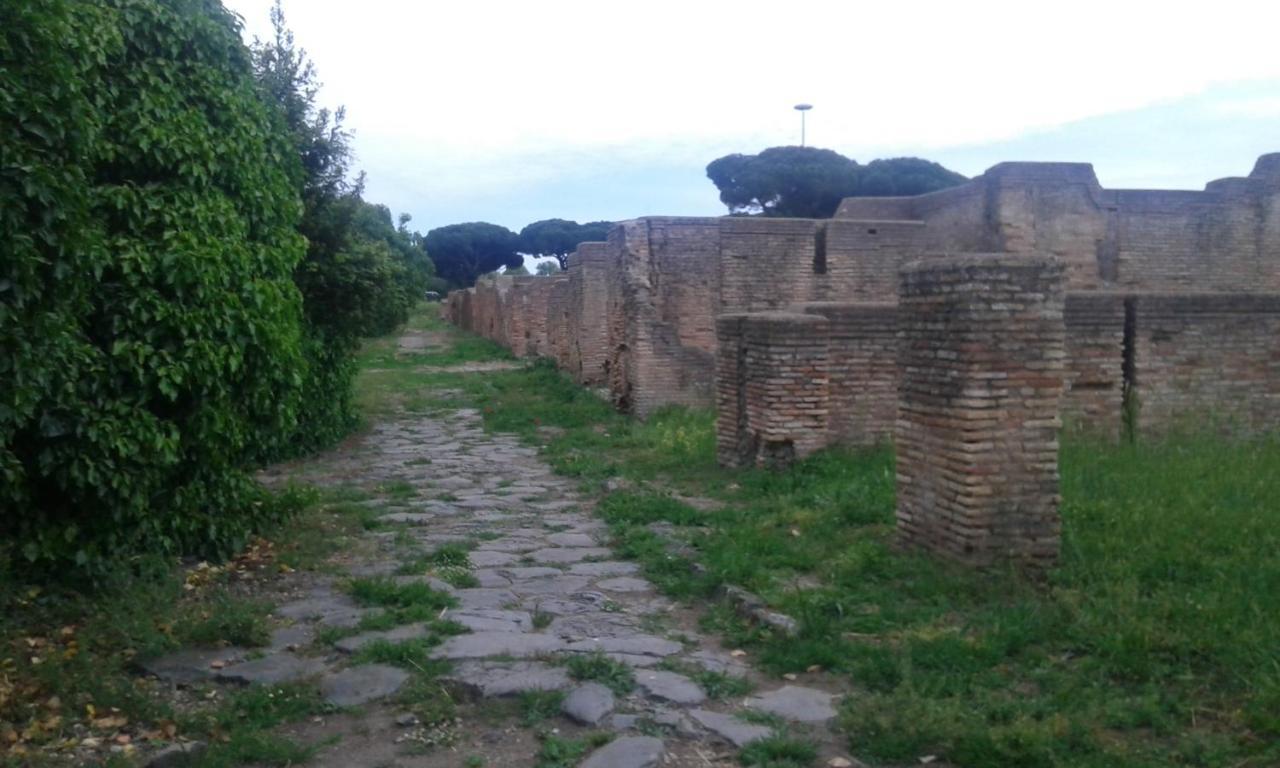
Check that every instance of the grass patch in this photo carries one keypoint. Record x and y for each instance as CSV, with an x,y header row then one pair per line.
x,y
225,619
538,706
598,667
558,752
401,603
717,685
778,752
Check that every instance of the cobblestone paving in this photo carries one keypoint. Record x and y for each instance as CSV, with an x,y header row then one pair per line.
x,y
549,587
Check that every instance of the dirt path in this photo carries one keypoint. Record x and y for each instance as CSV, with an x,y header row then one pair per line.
x,y
547,588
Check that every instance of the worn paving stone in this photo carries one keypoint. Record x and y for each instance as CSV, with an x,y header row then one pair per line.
x,y
528,573
588,704
567,554
481,597
582,602
556,585
740,733
567,539
604,568
793,702
492,679
330,611
487,558
285,638
398,635
479,645
647,645
191,665
669,686
491,579
408,518
272,670
511,545
625,584
360,685
627,752
493,620
586,626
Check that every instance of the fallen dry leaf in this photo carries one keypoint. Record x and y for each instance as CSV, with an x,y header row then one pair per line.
x,y
840,762
789,676
737,653
814,668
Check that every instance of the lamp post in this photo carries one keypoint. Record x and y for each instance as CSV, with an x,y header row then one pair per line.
x,y
802,108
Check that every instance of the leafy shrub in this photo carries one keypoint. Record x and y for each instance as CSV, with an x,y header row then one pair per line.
x,y
149,321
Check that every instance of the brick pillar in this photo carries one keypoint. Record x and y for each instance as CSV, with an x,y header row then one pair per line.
x,y
785,362
982,364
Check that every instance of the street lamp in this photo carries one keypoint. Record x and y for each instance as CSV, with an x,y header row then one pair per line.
x,y
802,108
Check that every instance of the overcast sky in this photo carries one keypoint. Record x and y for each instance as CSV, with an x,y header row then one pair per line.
x,y
512,112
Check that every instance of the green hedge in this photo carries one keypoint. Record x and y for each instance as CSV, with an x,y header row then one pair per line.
x,y
150,329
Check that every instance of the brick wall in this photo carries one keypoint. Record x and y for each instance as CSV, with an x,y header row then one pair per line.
x,y
559,304
593,334
662,289
772,388
1095,332
862,349
1207,355
981,357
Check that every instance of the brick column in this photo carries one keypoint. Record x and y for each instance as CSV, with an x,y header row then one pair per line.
x,y
981,360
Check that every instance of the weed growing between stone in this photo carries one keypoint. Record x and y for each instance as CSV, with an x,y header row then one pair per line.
x,y
558,752
598,667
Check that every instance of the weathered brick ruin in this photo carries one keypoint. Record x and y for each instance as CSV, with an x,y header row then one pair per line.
x,y
1171,304
982,366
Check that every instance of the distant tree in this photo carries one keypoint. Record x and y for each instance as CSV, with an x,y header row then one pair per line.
x,y
904,176
463,252
559,237
547,268
520,271
809,182
802,182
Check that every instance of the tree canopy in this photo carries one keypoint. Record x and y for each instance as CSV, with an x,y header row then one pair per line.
x,y
546,268
559,237
463,252
809,182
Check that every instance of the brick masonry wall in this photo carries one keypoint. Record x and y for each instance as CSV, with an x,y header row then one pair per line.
x,y
662,288
558,308
981,357
766,263
1200,357
771,388
862,365
593,333
1094,396
735,446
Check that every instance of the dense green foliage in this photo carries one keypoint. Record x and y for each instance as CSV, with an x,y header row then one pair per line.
x,y
186,275
464,252
150,323
361,274
808,182
559,237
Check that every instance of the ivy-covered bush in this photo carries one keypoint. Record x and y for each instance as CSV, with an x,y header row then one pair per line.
x,y
150,328
361,274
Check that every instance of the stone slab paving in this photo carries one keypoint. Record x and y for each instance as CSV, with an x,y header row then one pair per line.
x,y
550,588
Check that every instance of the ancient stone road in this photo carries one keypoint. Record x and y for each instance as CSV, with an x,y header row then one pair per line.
x,y
548,586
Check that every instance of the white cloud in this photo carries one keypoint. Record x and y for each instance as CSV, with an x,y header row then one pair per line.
x,y
465,98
